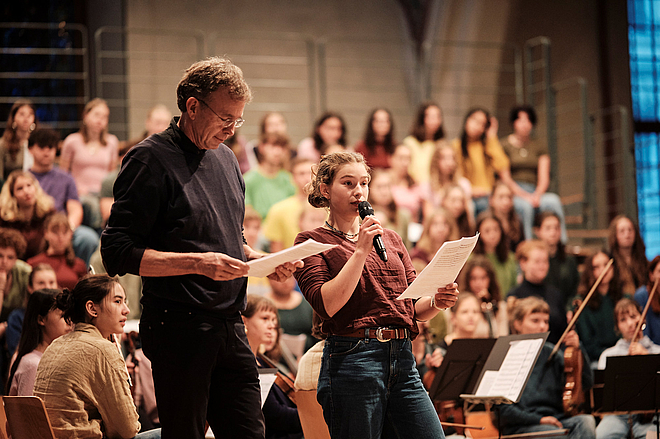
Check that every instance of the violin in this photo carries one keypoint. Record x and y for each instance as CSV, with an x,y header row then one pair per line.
x,y
451,412
573,394
282,380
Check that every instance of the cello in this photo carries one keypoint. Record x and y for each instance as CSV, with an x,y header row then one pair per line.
x,y
282,380
573,394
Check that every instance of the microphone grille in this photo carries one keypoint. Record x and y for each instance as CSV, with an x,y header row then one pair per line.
x,y
365,209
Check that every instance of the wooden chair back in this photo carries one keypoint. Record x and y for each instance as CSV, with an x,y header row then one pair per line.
x,y
27,418
311,415
4,432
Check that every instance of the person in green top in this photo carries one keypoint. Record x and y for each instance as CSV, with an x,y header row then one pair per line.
x,y
270,182
494,243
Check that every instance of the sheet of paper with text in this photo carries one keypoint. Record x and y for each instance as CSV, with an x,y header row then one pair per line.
x,y
262,267
443,269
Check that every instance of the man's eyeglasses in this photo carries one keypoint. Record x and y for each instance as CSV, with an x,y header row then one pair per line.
x,y
227,123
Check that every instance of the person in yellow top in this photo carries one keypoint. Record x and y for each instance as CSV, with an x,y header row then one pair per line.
x,y
281,225
480,155
425,133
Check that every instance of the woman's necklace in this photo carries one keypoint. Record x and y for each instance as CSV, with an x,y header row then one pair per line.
x,y
348,235
520,144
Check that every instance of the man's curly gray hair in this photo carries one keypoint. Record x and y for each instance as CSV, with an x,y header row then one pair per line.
x,y
205,77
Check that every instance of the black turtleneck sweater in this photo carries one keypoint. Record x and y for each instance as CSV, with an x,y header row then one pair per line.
x,y
171,196
554,298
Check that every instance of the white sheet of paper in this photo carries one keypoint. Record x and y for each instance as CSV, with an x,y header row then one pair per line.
x,y
509,380
486,383
266,381
262,267
443,269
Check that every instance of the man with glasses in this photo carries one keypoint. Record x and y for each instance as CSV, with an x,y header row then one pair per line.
x,y
177,221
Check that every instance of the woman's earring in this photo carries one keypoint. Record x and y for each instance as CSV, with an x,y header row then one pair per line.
x,y
33,126
14,125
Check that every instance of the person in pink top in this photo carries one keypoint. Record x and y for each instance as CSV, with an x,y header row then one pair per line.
x,y
43,323
406,192
89,156
329,131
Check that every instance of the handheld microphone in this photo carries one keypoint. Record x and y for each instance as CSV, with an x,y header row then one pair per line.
x,y
365,209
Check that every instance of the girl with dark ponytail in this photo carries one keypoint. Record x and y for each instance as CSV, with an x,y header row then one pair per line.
x,y
82,377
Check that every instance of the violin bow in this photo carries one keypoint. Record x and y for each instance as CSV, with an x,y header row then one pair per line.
x,y
579,311
646,310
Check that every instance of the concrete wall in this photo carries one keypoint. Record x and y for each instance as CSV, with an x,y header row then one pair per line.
x,y
367,58
302,57
251,31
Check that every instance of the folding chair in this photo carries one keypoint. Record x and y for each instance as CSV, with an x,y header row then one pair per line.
x,y
27,418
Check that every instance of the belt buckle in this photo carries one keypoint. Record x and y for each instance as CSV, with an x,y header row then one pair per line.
x,y
379,336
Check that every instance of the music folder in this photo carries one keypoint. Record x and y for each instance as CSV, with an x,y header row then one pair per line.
x,y
507,369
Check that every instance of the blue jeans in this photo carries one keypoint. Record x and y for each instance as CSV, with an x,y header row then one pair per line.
x,y
85,241
616,427
549,201
370,389
480,204
580,426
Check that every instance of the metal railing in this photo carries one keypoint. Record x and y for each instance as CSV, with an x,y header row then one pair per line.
x,y
539,94
357,76
281,69
595,157
574,170
614,160
47,63
136,67
463,74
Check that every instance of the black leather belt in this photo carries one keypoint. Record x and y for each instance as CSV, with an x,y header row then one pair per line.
x,y
380,334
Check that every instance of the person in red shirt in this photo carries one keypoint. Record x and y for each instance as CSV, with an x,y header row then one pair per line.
x,y
59,252
368,385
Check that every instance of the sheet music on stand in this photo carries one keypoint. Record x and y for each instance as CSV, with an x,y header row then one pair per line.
x,y
507,369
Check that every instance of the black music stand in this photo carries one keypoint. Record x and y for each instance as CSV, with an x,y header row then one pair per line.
x,y
460,368
494,363
632,386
